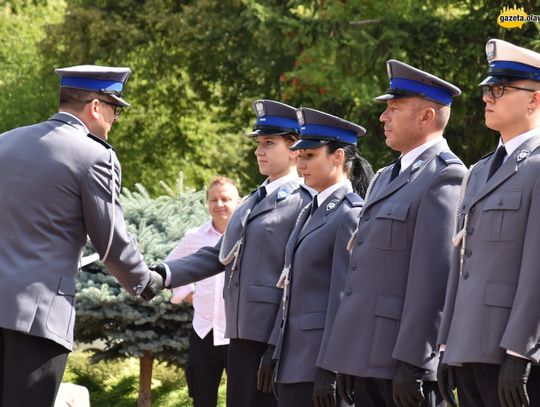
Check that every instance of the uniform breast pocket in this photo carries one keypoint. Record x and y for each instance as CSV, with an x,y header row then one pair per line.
x,y
390,229
500,217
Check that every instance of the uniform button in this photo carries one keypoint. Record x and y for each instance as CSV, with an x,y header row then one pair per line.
x,y
463,207
367,217
236,284
465,275
500,203
433,354
472,209
470,230
468,252
353,267
360,242
348,291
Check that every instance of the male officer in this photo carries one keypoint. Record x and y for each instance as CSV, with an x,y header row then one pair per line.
x,y
491,322
385,329
59,182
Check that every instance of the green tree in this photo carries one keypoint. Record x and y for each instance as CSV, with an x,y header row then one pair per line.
x,y
128,326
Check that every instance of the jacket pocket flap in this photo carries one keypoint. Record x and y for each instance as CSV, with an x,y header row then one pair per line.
x,y
314,320
393,210
260,293
505,200
388,307
66,286
499,294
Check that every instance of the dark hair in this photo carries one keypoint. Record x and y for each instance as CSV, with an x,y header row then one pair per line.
x,y
290,138
75,98
359,169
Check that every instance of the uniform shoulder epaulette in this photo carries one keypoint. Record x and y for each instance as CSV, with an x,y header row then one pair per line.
x,y
354,199
100,141
449,158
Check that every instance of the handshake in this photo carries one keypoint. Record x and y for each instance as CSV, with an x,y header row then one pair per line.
x,y
156,283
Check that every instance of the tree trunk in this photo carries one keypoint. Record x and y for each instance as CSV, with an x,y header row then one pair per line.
x,y
145,379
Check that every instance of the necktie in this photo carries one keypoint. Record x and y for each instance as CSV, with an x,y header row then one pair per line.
x,y
314,205
396,169
261,193
498,159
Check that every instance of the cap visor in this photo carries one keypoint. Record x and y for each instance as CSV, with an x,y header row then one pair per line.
x,y
260,132
121,102
306,144
388,96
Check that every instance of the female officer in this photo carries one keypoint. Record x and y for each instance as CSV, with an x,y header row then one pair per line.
x,y
252,250
317,257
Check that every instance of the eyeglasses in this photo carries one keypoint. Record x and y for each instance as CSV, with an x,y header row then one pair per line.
x,y
498,90
117,108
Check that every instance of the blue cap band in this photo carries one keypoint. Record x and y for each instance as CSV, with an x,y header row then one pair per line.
x,y
431,92
92,84
278,121
328,133
510,68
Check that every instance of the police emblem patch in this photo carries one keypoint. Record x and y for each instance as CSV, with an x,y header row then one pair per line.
x,y
259,107
331,205
300,117
522,155
490,50
417,164
282,194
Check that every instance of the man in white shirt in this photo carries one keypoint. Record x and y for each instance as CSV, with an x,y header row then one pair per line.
x,y
491,323
207,355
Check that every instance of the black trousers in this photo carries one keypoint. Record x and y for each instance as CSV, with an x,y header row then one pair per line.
x,y
204,368
372,392
295,394
243,364
477,385
31,369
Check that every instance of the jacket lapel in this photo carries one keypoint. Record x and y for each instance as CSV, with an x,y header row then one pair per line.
x,y
271,201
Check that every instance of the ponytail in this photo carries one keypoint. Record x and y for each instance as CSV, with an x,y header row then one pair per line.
x,y
357,167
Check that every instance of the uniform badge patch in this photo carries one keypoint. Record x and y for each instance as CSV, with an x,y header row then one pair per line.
x,y
522,155
331,205
282,194
417,164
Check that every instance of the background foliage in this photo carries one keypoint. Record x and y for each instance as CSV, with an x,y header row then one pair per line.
x,y
198,64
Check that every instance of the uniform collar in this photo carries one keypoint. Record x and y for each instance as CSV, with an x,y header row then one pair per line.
x,y
411,156
513,144
274,185
79,121
324,194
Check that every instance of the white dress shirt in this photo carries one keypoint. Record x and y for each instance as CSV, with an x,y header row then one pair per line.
x,y
511,145
208,304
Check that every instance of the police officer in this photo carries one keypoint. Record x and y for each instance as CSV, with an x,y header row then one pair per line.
x,y
316,257
59,182
384,335
491,322
252,250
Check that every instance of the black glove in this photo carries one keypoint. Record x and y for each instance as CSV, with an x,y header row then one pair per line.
x,y
324,388
160,269
446,380
513,375
407,385
154,286
345,387
266,370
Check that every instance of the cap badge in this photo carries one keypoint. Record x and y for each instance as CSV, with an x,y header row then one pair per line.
x,y
417,164
300,117
490,50
522,155
331,205
389,70
259,107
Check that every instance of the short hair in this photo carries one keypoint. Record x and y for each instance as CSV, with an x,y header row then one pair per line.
x,y
75,98
442,112
219,180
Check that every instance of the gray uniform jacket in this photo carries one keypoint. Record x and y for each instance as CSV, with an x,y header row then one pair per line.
x,y
250,292
317,259
55,189
494,303
395,286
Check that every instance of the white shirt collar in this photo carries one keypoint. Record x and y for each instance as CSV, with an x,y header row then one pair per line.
x,y
210,229
78,120
323,195
513,144
272,186
408,159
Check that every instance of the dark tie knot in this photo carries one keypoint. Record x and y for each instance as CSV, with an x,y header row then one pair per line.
x,y
261,193
395,169
314,205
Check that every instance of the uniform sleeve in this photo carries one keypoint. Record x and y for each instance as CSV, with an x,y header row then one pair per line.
x,y
522,333
181,250
124,261
340,264
429,266
197,266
